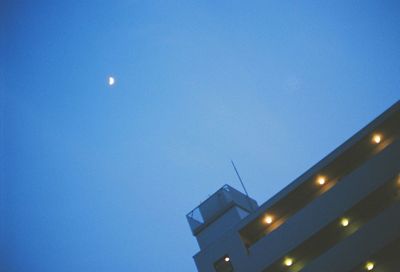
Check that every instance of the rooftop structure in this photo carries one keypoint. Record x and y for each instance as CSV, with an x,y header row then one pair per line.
x,y
340,215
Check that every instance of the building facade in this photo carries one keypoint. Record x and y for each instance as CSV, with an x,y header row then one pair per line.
x,y
343,214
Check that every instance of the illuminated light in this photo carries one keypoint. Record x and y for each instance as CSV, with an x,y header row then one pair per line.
x,y
369,266
268,219
288,262
111,80
344,222
227,259
321,180
377,138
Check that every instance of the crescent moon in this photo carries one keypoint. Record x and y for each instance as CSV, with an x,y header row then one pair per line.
x,y
111,81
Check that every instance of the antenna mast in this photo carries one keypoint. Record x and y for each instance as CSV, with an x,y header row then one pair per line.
x,y
241,182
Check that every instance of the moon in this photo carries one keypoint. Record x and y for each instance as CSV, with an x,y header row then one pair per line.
x,y
111,80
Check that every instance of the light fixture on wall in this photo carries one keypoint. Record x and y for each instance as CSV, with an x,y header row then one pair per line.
x,y
344,222
288,261
268,219
376,138
369,266
321,180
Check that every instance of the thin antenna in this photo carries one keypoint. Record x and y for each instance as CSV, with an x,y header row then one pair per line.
x,y
241,182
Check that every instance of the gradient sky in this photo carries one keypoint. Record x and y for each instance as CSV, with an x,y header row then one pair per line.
x,y
100,178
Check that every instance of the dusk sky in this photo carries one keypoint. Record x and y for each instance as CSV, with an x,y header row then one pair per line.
x,y
99,178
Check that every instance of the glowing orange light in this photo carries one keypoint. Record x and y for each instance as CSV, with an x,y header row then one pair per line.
x,y
268,219
321,180
377,138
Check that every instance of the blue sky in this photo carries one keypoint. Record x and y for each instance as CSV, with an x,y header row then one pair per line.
x,y
100,178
